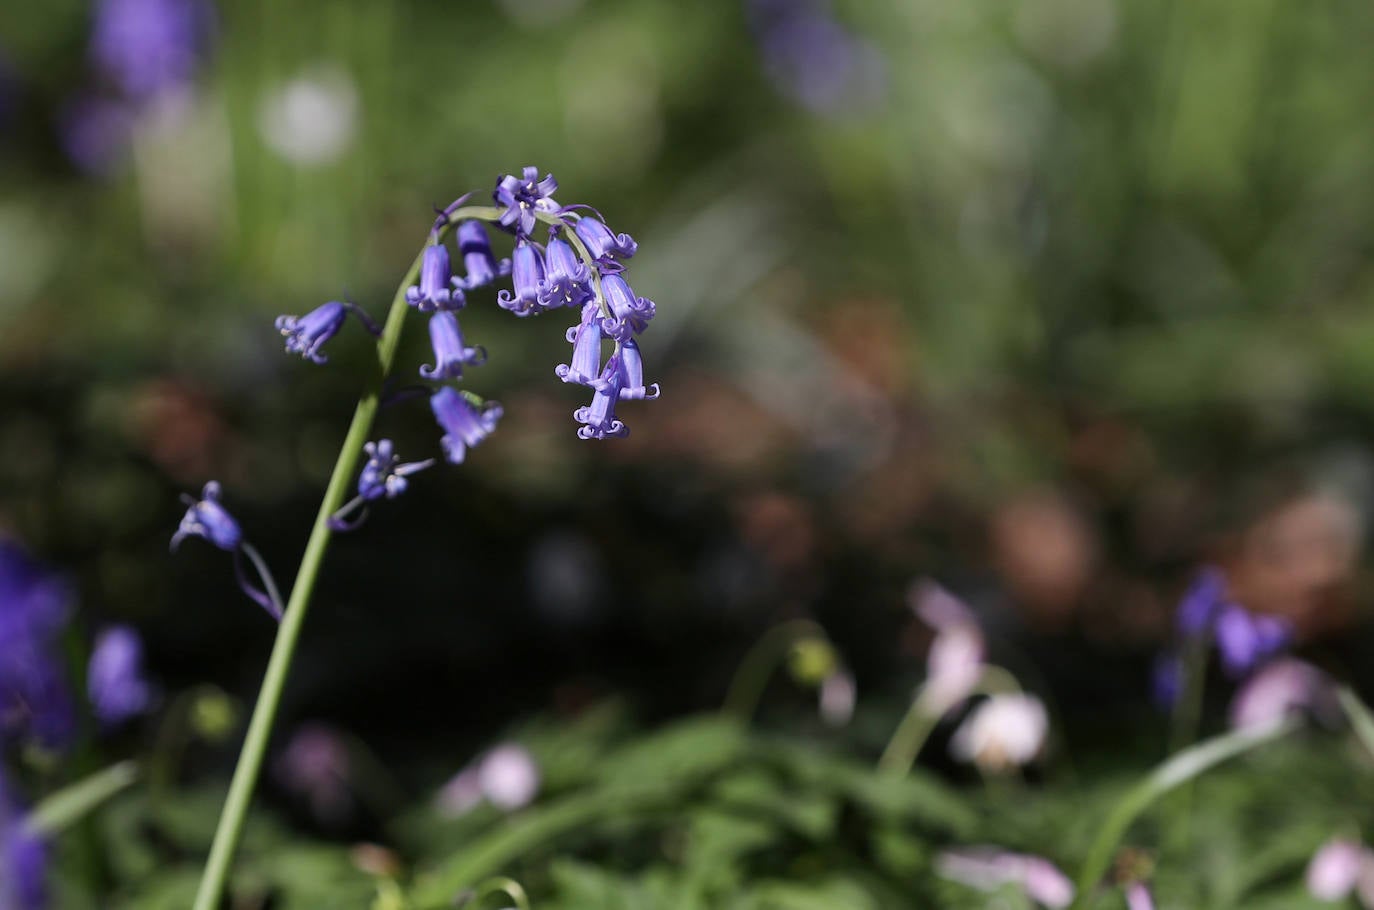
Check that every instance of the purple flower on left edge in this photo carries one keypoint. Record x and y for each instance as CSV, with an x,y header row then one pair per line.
x,y
114,678
34,700
207,519
523,196
306,335
23,857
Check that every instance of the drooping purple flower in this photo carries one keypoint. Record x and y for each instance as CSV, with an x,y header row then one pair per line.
x,y
598,419
586,341
147,47
114,678
523,196
567,280
450,353
95,133
208,519
479,263
630,315
384,475
23,857
632,374
527,277
601,242
1245,640
305,335
465,419
435,290
1198,608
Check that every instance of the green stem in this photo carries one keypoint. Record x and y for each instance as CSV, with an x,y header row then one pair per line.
x,y
230,828
920,720
1174,772
746,689
1361,721
71,804
500,885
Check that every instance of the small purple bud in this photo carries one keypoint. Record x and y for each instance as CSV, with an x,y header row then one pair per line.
x,y
567,281
208,519
465,419
598,419
384,475
450,354
114,679
630,315
435,290
632,374
522,197
1197,610
527,278
1166,680
601,242
305,335
479,262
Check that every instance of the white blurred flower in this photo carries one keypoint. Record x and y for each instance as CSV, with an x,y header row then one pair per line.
x,y
837,697
954,663
1281,688
987,869
1335,869
1138,897
510,777
311,119
507,777
1003,732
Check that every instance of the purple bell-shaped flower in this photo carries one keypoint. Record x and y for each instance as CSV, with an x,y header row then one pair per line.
x,y
630,315
450,353
567,280
527,278
208,519
522,197
480,264
585,337
435,290
601,242
465,419
598,419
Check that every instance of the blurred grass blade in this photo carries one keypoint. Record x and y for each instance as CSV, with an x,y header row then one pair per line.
x,y
68,805
1177,770
1361,720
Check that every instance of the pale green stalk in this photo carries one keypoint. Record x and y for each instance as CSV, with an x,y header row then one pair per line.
x,y
1174,772
763,658
920,720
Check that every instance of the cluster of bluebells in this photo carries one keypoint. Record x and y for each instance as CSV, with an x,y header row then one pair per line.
x,y
37,706
579,266
141,51
1245,641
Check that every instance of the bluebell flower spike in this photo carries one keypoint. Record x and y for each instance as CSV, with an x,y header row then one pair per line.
x,y
632,374
527,280
630,314
602,243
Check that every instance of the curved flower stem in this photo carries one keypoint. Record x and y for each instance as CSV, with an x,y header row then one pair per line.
x,y
71,803
1178,770
268,582
920,720
752,676
231,820
501,885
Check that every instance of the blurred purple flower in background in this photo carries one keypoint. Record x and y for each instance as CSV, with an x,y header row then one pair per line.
x,y
23,857
207,519
1245,640
1198,608
1138,897
316,766
813,59
148,47
1335,868
114,680
1284,687
95,132
34,700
